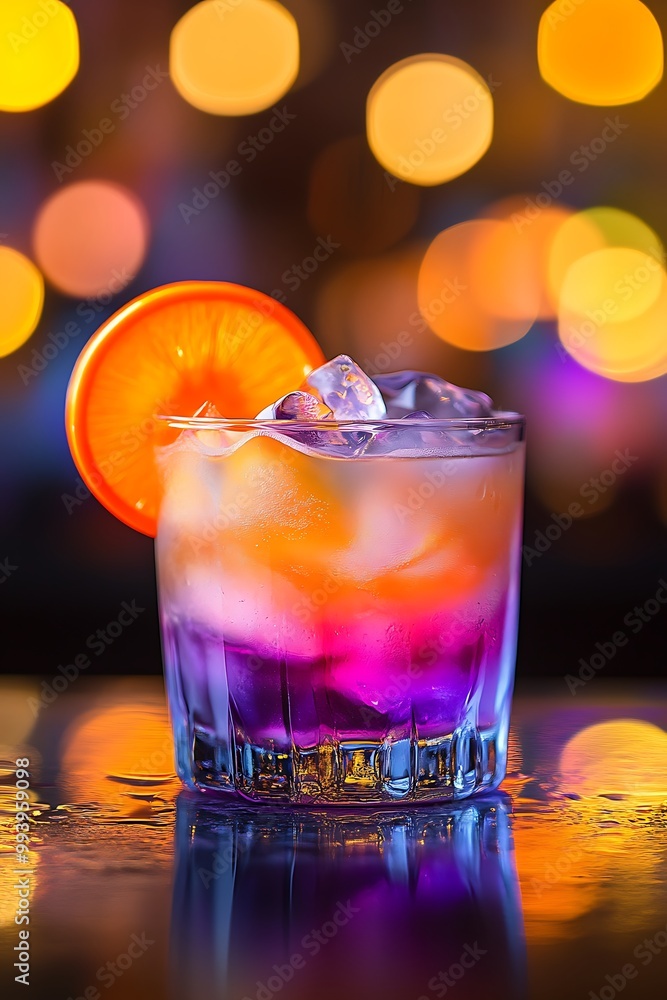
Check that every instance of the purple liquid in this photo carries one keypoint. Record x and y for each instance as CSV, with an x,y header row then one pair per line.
x,y
236,697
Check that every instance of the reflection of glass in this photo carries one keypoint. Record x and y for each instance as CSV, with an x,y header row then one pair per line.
x,y
392,904
341,628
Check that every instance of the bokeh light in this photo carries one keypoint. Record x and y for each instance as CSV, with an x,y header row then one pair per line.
x,y
118,749
234,57
429,118
349,197
39,52
90,238
475,288
606,267
614,284
577,421
594,229
538,228
603,813
613,314
565,876
501,273
619,757
600,52
22,298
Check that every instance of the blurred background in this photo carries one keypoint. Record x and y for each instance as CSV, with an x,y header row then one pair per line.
x,y
553,307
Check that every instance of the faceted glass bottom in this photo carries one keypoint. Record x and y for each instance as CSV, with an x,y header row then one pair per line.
x,y
453,766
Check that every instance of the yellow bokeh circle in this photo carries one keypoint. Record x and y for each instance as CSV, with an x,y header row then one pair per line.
x,y
600,52
617,757
606,268
22,297
234,57
613,285
594,229
610,340
429,118
39,52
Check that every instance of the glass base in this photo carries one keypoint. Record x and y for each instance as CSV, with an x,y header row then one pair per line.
x,y
453,766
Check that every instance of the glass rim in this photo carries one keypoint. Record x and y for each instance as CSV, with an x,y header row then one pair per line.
x,y
500,420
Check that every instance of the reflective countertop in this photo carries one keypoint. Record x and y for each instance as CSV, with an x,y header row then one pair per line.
x,y
554,887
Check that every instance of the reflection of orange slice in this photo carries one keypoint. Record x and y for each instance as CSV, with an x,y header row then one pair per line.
x,y
166,353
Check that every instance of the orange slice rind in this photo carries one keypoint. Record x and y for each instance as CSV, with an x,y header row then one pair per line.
x,y
166,353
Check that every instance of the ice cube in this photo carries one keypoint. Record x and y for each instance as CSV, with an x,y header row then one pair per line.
x,y
408,391
417,415
346,390
297,405
339,443
410,439
384,541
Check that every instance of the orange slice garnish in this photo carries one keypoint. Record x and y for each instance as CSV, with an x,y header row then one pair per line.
x,y
165,353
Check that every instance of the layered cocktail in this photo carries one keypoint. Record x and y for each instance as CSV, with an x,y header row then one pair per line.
x,y
338,584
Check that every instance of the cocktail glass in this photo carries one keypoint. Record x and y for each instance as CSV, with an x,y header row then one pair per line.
x,y
339,605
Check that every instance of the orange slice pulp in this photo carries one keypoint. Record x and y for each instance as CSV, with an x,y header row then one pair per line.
x,y
165,353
